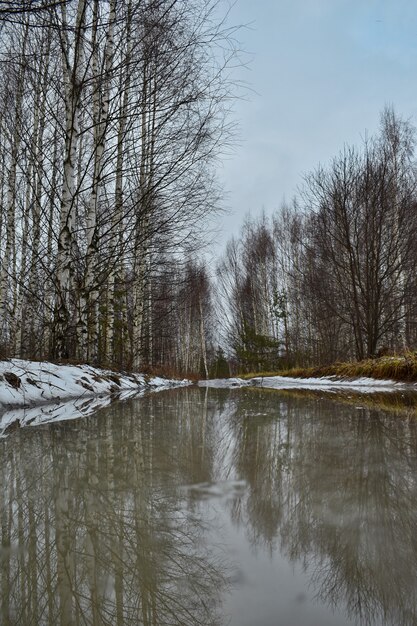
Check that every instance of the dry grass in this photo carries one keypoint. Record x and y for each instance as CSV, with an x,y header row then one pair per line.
x,y
398,367
168,372
149,371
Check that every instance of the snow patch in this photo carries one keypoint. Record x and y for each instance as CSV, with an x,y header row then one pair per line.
x,y
224,383
365,385
331,383
158,384
27,383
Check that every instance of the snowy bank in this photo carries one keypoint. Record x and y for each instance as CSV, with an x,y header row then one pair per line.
x,y
29,383
37,393
330,383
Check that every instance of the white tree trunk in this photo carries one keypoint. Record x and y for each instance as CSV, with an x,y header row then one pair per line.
x,y
88,334
116,270
7,269
73,87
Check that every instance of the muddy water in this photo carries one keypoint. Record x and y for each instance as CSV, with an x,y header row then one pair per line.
x,y
193,506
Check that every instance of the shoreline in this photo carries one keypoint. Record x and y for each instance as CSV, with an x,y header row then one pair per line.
x,y
35,393
27,384
324,383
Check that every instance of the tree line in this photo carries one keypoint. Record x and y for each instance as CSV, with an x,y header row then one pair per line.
x,y
112,114
332,276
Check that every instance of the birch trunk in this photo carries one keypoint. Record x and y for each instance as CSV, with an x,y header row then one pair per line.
x,y
19,308
138,309
3,174
116,270
8,260
47,348
203,337
33,206
149,309
141,235
73,87
88,323
142,244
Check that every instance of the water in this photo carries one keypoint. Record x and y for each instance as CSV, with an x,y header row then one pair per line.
x,y
214,507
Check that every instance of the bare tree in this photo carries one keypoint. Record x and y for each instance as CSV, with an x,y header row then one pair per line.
x,y
363,233
331,278
128,109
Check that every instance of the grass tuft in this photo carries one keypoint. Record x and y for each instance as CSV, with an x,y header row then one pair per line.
x,y
397,367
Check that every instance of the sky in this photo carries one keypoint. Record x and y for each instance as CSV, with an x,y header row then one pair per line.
x,y
320,72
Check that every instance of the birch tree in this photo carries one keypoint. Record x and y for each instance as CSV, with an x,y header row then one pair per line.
x,y
113,174
88,334
14,139
73,74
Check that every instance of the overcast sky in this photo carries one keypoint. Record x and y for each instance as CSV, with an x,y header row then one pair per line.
x,y
322,71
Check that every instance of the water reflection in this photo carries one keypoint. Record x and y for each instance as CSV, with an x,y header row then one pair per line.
x,y
116,519
335,487
91,532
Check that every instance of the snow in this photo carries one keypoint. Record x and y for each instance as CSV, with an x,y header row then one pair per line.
x,y
40,392
158,383
41,382
224,383
329,383
364,385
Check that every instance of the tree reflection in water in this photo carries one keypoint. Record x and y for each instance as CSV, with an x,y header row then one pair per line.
x,y
103,520
335,488
92,531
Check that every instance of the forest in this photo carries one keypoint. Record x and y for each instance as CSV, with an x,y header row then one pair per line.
x,y
331,276
113,117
